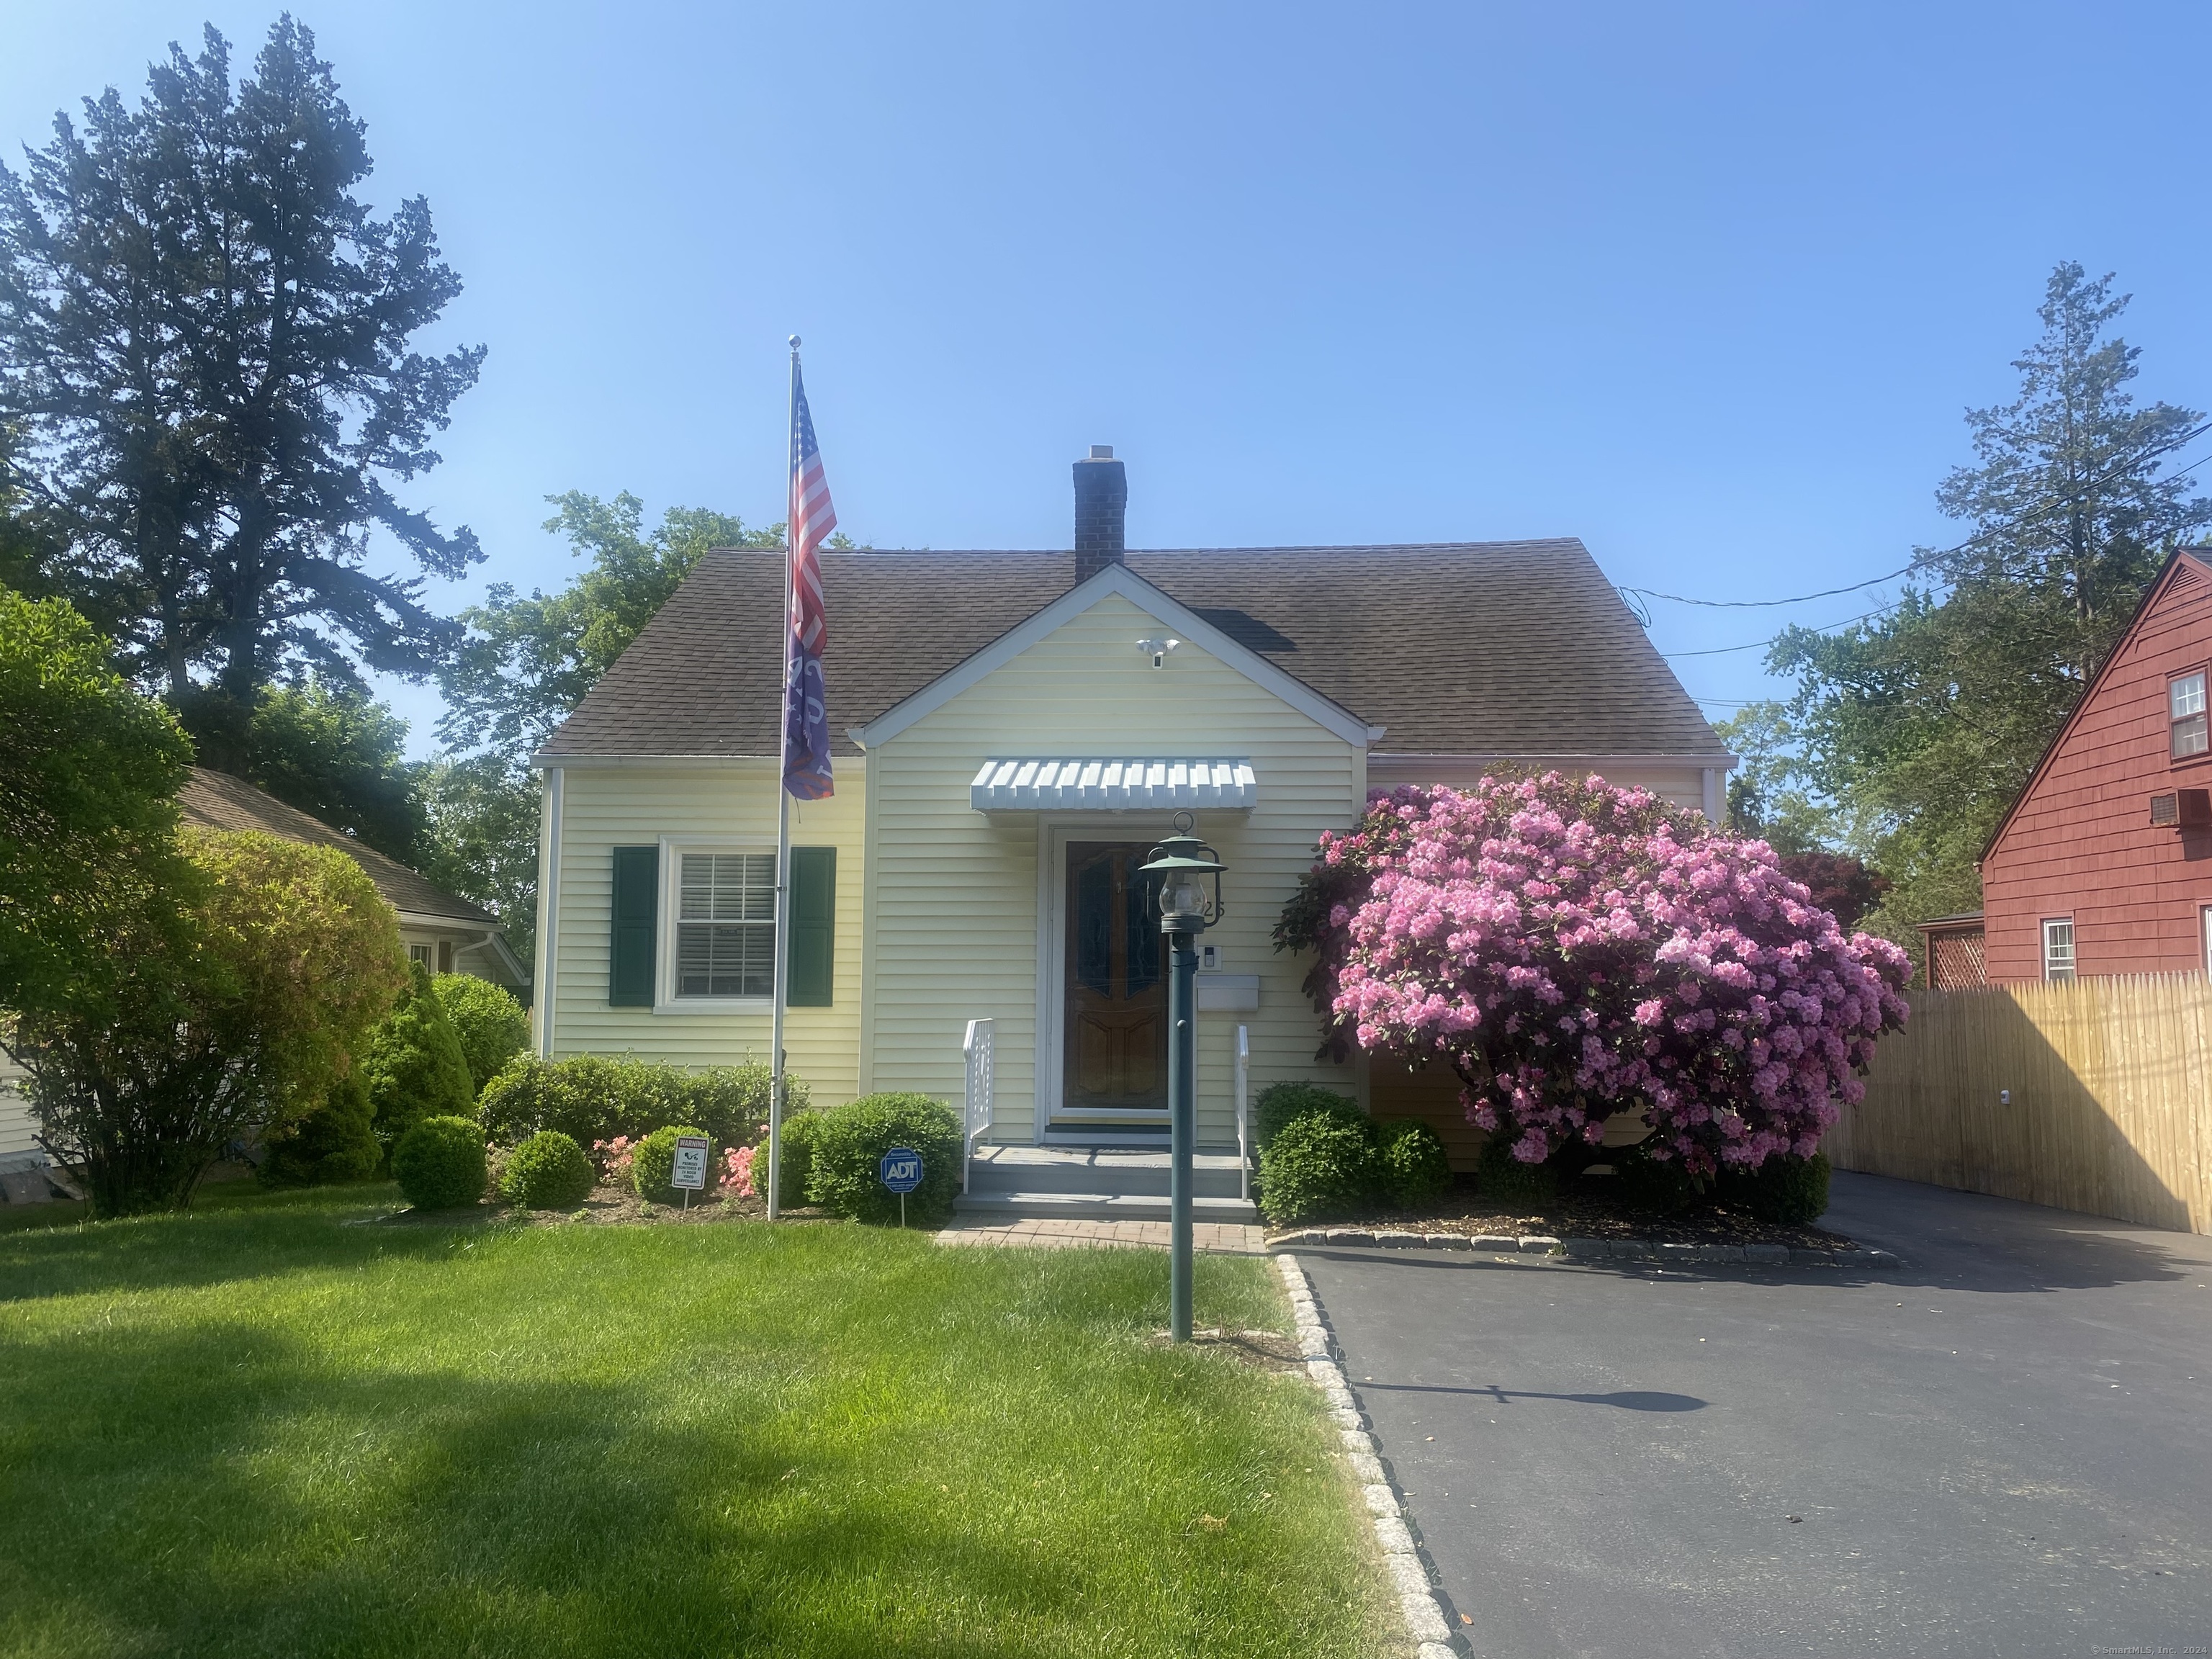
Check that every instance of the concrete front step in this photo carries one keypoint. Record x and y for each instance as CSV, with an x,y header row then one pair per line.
x,y
1099,1206
1110,1171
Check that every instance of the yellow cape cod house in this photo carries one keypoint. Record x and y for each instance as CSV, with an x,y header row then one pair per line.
x,y
1018,728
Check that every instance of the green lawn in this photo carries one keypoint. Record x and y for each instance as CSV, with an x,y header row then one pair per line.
x,y
257,1430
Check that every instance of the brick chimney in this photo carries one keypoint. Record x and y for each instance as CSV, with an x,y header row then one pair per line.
x,y
1101,500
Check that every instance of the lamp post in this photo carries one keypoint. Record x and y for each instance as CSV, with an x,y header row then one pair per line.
x,y
1188,878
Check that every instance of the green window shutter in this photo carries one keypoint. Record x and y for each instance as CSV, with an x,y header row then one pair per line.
x,y
636,901
813,926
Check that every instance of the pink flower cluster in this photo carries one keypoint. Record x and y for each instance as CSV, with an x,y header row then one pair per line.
x,y
1575,950
614,1156
738,1170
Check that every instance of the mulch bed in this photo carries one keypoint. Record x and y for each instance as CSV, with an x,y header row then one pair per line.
x,y
1586,1209
609,1203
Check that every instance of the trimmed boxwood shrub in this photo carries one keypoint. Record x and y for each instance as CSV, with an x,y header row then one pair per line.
x,y
439,1162
848,1144
1410,1159
548,1171
488,1021
654,1161
1505,1178
1280,1103
589,1097
1662,1187
334,1141
1318,1166
413,1065
796,1139
1791,1192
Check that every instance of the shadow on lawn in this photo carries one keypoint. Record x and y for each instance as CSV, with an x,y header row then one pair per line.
x,y
260,1237
226,1488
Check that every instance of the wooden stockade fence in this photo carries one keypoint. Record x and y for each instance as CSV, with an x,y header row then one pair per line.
x,y
2111,1107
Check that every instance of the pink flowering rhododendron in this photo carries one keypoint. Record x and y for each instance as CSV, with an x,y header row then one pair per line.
x,y
1573,949
738,1170
614,1156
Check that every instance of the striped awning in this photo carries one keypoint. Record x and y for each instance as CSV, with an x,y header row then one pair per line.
x,y
1112,786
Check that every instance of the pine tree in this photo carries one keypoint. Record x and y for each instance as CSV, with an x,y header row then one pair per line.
x,y
1921,727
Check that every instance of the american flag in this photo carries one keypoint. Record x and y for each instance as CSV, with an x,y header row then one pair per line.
x,y
805,714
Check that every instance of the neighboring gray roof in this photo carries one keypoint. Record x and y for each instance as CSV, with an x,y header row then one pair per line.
x,y
215,800
1462,648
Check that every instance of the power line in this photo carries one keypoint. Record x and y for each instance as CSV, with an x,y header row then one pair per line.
x,y
1922,561
1724,650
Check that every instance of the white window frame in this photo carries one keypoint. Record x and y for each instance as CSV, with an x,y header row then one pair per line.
x,y
2201,683
425,954
664,999
2204,921
2052,970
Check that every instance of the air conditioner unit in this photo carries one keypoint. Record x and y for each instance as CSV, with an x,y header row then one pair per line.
x,y
2182,809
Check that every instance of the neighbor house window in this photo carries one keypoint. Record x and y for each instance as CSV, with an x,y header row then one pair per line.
x,y
2185,713
2058,949
726,925
2204,916
419,953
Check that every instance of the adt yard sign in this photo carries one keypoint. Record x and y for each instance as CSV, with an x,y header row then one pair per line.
x,y
689,1170
900,1171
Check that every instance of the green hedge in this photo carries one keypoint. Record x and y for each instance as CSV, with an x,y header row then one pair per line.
x,y
548,1171
796,1138
1318,1167
1791,1192
334,1140
654,1161
491,1025
589,1097
1659,1186
1280,1103
1411,1163
439,1163
1505,1178
847,1145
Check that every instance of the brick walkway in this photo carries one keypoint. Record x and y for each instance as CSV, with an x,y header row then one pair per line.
x,y
1221,1238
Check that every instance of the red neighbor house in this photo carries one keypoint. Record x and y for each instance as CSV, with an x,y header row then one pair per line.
x,y
2104,864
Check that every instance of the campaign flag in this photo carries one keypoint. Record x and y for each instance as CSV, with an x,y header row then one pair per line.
x,y
805,712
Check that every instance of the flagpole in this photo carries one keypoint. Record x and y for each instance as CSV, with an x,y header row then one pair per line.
x,y
782,830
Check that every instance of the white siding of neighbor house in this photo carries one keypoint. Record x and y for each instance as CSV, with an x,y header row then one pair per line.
x,y
953,895
17,1127
606,807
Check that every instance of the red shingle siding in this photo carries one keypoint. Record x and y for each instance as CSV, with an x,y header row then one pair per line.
x,y
2079,843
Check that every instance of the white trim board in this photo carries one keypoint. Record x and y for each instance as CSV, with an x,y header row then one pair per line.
x,y
1118,579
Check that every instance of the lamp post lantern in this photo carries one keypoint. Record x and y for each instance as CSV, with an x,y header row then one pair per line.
x,y
1188,878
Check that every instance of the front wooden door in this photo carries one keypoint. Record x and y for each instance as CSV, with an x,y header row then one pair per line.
x,y
1116,1012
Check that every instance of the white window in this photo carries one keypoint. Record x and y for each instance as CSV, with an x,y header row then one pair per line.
x,y
2058,949
2205,917
2184,714
419,953
726,925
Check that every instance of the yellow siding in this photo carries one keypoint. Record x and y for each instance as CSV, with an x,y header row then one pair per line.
x,y
606,807
953,895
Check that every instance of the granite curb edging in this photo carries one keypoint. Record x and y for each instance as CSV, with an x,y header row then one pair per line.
x,y
1423,1608
1584,1249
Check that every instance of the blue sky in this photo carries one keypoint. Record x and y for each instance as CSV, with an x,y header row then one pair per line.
x,y
1707,286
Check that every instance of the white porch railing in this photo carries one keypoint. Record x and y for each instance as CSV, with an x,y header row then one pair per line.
x,y
976,1114
1243,1114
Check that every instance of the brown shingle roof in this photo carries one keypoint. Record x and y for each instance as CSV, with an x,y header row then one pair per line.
x,y
215,800
1464,647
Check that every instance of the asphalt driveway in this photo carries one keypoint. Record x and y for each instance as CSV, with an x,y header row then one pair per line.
x,y
2003,1447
